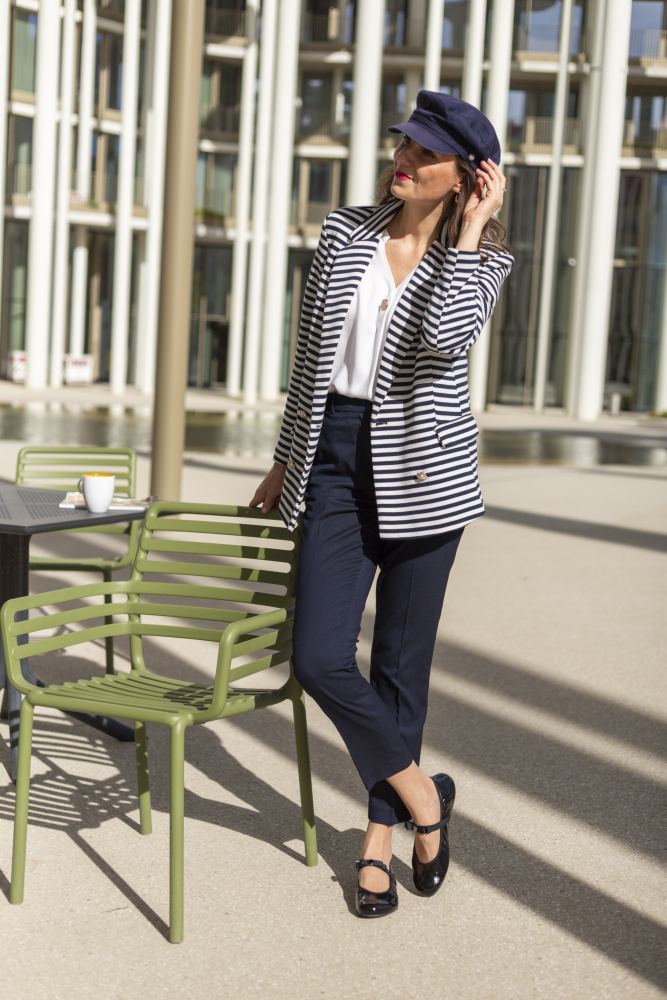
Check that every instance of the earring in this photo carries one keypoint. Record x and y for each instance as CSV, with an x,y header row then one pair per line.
x,y
457,198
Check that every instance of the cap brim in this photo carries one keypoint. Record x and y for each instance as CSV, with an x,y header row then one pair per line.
x,y
426,138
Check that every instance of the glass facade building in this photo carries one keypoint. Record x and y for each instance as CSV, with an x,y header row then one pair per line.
x,y
452,46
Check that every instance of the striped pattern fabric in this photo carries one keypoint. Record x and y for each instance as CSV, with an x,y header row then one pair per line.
x,y
423,434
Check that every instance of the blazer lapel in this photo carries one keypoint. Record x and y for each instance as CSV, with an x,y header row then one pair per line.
x,y
347,269
406,320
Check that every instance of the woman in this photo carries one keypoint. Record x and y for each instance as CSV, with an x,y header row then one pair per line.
x,y
378,439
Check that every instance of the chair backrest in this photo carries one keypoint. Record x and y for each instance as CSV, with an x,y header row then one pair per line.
x,y
58,467
241,559
205,565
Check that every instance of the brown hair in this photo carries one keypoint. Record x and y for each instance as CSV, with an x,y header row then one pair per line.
x,y
494,233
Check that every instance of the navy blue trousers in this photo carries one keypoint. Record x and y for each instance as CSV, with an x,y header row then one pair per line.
x,y
381,722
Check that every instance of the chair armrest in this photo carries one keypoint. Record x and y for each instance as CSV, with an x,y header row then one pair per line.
x,y
230,646
16,626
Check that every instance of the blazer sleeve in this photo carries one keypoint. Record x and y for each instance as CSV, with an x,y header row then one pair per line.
x,y
464,297
281,453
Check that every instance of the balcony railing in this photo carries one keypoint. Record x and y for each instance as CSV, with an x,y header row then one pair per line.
x,y
215,205
648,47
223,23
542,41
320,125
220,120
104,190
113,9
535,135
642,139
325,29
308,215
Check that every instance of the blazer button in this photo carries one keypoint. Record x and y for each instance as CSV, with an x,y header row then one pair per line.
x,y
301,414
290,465
421,477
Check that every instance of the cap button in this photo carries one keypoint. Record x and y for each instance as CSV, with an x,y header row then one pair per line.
x,y
471,156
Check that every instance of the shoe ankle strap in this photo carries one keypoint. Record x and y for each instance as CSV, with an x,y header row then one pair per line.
x,y
368,862
410,825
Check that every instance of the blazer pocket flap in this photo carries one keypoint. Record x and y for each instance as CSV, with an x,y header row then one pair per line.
x,y
457,431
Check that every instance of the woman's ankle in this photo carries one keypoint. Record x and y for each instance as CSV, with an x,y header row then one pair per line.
x,y
377,842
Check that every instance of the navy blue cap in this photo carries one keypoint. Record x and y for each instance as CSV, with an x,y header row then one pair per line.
x,y
447,124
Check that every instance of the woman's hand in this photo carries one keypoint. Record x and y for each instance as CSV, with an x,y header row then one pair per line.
x,y
479,209
268,492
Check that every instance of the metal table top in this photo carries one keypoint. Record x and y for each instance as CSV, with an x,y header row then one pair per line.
x,y
28,511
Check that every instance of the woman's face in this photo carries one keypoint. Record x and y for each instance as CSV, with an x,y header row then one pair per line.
x,y
420,174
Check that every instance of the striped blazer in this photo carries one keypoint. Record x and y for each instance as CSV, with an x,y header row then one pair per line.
x,y
423,434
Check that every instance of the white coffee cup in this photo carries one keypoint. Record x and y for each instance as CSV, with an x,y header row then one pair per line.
x,y
97,489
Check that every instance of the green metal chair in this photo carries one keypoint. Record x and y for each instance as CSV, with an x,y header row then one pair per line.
x,y
206,573
60,468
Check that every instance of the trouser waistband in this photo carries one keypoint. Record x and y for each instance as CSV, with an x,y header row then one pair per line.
x,y
336,402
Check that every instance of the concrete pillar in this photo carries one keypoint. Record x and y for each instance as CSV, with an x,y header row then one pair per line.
x,y
64,186
598,260
433,48
496,110
187,40
258,246
40,233
5,28
550,244
155,151
471,85
244,176
590,108
122,264
79,286
660,402
364,128
282,157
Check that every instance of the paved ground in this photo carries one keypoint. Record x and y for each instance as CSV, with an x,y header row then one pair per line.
x,y
548,707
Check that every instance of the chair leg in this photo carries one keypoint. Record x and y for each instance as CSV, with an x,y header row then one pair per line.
x,y
21,813
143,777
305,782
176,832
108,642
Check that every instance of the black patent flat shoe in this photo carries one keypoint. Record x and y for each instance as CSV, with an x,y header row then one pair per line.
x,y
428,876
376,904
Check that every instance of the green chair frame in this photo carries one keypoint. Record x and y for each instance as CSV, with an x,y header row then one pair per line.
x,y
57,467
202,572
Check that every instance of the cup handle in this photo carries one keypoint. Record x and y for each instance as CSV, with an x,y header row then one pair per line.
x,y
79,485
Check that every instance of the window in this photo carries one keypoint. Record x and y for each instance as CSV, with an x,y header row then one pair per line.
x,y
454,25
23,51
215,185
537,26
315,104
20,155
109,71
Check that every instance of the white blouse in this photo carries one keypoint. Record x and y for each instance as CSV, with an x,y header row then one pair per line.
x,y
365,327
